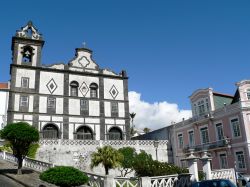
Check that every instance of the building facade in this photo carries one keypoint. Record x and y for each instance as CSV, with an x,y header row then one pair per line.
x,y
77,100
4,97
220,125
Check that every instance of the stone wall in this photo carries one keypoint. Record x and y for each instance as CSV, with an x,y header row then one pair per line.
x,y
78,152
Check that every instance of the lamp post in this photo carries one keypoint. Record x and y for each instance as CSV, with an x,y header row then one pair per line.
x,y
156,144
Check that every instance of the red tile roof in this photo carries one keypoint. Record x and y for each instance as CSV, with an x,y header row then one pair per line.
x,y
3,85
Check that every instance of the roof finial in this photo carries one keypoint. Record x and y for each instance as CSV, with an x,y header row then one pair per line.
x,y
84,44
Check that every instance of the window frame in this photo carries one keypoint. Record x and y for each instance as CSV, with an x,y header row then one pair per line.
x,y
114,105
21,101
201,137
189,142
93,90
219,124
74,85
232,126
22,82
84,108
180,140
224,156
241,153
49,105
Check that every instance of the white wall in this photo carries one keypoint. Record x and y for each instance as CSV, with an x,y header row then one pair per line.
x,y
63,154
45,77
31,74
108,83
4,98
80,79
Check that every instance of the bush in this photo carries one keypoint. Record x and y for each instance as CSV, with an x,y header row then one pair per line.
x,y
201,175
144,165
64,176
6,147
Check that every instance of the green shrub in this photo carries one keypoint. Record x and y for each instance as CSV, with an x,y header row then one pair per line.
x,y
6,147
64,176
32,150
144,165
201,175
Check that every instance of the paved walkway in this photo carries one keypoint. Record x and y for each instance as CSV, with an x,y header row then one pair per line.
x,y
29,178
7,182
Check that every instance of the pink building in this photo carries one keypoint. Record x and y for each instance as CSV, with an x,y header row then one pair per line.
x,y
220,125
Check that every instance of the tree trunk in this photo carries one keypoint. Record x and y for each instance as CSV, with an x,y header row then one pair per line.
x,y
106,170
20,164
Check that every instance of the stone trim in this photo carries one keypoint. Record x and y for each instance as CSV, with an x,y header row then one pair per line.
x,y
69,71
102,108
68,115
33,92
126,107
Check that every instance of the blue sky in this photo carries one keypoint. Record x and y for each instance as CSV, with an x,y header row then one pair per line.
x,y
169,48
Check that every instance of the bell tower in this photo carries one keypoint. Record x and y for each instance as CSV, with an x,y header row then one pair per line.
x,y
27,46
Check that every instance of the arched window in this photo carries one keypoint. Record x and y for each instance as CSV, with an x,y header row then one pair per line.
x,y
93,90
74,88
115,133
27,54
50,131
84,133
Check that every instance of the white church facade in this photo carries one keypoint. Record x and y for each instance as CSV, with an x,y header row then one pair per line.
x,y
77,100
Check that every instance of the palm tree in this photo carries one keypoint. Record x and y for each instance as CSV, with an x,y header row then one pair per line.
x,y
132,116
107,156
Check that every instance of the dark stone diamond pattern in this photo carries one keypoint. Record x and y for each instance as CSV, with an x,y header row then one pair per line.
x,y
52,86
84,89
113,92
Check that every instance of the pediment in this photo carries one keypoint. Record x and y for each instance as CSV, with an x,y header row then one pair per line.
x,y
83,60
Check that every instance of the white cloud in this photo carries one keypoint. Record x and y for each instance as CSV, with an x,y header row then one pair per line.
x,y
154,115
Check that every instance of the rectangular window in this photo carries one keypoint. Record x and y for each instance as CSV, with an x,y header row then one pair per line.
x,y
223,161
204,135
191,138
51,102
201,108
240,160
114,107
25,82
84,105
74,91
180,140
219,130
24,101
93,93
235,127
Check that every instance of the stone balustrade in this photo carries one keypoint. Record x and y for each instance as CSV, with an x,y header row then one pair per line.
x,y
224,174
101,142
27,162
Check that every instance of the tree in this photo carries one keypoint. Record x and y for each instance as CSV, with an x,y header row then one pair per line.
x,y
129,155
132,116
107,156
20,136
146,130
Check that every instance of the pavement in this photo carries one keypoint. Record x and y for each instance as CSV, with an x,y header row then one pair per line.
x,y
29,178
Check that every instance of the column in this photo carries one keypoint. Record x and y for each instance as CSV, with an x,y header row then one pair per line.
x,y
206,163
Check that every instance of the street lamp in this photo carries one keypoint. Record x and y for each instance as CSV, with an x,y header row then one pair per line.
x,y
156,144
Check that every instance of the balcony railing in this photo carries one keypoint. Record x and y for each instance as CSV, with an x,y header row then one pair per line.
x,y
208,146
